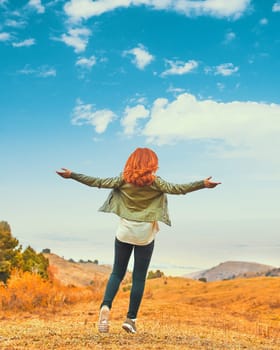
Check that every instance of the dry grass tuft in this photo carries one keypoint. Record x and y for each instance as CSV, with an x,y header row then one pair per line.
x,y
27,292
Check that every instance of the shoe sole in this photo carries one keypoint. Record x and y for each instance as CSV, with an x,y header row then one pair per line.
x,y
103,327
128,328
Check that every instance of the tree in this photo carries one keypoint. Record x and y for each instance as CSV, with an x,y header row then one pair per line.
x,y
11,256
156,274
34,262
10,252
203,279
46,251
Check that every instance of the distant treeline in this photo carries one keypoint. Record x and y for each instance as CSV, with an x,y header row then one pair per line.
x,y
81,261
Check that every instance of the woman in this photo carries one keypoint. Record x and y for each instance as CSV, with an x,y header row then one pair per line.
x,y
139,198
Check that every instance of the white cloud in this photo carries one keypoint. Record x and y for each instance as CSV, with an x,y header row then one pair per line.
x,y
4,36
276,7
40,72
37,5
84,9
14,23
141,57
85,114
46,72
27,70
24,43
226,69
86,62
215,8
139,99
250,127
131,117
179,67
53,3
77,38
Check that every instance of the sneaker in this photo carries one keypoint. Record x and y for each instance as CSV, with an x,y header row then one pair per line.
x,y
103,323
129,326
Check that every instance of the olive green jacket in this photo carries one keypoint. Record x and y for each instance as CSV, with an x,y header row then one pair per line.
x,y
147,203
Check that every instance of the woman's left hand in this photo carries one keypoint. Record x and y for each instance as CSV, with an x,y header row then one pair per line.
x,y
66,173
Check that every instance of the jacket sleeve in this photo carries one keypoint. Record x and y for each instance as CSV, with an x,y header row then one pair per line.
x,y
109,182
170,188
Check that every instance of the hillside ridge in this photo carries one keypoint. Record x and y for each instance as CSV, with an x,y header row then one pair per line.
x,y
84,273
233,269
76,273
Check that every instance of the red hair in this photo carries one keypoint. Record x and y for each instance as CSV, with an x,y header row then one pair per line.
x,y
140,167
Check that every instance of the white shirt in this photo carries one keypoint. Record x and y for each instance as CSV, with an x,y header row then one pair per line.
x,y
136,232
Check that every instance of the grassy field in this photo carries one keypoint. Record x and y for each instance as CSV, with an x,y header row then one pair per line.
x,y
175,314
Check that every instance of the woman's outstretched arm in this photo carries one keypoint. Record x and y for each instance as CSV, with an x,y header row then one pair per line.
x,y
108,182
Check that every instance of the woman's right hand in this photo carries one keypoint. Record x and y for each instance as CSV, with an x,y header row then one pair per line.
x,y
66,173
209,183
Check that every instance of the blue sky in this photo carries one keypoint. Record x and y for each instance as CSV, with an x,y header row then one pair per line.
x,y
83,83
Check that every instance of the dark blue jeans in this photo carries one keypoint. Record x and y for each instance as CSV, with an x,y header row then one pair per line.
x,y
142,258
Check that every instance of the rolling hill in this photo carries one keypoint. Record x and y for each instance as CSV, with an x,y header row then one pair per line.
x,y
231,270
84,273
76,273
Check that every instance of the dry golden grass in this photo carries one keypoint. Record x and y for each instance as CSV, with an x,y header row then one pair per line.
x,y
175,314
29,292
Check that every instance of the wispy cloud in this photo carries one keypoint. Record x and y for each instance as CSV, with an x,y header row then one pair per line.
x,y
86,63
53,3
37,5
40,72
84,9
25,43
226,69
46,72
175,90
15,23
77,38
220,86
264,21
141,56
276,7
229,37
231,9
4,36
179,67
86,114
131,117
